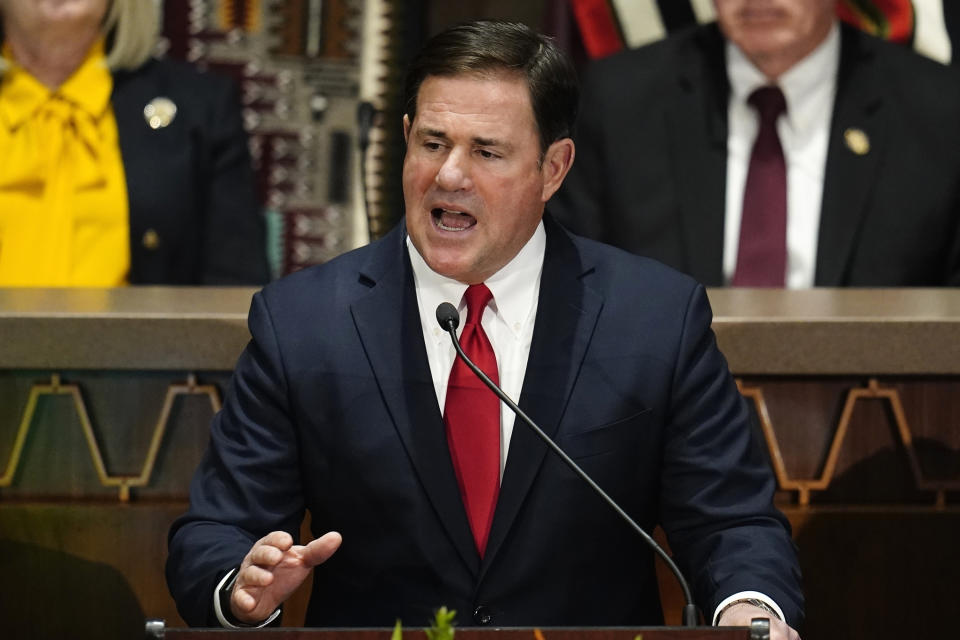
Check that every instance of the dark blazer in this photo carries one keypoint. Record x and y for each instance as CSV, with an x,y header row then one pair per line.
x,y
650,169
194,214
332,408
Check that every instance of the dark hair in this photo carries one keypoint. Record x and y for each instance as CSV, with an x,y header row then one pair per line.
x,y
489,47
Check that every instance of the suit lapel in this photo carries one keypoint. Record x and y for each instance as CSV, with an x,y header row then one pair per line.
x,y
388,322
850,168
131,93
566,316
151,203
697,126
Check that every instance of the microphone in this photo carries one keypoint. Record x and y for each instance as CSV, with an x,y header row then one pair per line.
x,y
449,319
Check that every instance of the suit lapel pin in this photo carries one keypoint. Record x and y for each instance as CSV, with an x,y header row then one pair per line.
x,y
159,112
857,141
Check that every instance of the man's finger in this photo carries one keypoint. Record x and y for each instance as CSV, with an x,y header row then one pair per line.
x,y
256,576
265,555
319,550
243,601
279,539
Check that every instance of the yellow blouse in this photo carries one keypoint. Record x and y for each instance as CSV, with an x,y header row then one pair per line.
x,y
63,193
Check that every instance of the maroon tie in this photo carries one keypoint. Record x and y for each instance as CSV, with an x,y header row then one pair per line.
x,y
762,254
472,417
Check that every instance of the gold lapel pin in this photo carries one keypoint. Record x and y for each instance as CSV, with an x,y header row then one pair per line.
x,y
151,240
160,112
857,141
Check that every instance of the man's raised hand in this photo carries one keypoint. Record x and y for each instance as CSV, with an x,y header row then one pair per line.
x,y
272,571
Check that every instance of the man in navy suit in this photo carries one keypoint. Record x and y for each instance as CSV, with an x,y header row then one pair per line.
x,y
340,405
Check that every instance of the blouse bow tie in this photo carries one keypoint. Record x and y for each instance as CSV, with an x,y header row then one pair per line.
x,y
56,131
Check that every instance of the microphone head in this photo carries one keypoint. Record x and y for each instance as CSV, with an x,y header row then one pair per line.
x,y
447,316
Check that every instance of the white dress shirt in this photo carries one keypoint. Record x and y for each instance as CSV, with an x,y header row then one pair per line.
x,y
804,130
508,322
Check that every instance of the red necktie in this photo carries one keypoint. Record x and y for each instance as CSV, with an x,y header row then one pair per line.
x,y
472,417
762,254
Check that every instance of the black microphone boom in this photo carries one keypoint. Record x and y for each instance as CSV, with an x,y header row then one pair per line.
x,y
449,320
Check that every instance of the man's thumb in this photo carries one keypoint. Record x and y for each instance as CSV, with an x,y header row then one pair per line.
x,y
319,550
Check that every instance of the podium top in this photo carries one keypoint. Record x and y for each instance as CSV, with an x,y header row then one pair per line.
x,y
760,331
760,632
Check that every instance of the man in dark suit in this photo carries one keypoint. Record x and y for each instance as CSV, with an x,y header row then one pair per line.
x,y
349,402
870,137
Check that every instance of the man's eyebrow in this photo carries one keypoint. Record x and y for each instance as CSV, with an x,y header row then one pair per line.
x,y
425,132
489,142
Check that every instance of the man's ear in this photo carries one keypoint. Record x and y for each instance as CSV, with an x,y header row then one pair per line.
x,y
556,163
406,128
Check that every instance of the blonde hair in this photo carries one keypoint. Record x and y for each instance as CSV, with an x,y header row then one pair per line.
x,y
131,27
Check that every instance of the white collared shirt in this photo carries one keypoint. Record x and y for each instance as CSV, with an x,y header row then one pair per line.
x,y
809,88
508,321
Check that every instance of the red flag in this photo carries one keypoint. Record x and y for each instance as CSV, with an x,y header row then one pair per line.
x,y
598,25
890,19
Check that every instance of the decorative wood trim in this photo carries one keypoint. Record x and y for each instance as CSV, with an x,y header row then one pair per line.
x,y
122,481
803,486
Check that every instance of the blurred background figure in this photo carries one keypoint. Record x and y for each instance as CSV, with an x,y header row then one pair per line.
x,y
842,170
115,167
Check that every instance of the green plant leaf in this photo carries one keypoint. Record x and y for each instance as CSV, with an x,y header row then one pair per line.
x,y
442,627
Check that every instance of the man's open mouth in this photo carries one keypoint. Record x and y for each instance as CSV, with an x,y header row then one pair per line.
x,y
450,220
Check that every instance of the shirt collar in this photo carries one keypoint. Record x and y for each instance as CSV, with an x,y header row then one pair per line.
x,y
802,84
88,88
514,287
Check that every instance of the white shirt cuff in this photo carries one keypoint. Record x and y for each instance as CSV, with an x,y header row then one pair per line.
x,y
223,620
747,595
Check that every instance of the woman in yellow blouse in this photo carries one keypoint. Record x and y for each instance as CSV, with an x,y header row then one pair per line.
x,y
115,167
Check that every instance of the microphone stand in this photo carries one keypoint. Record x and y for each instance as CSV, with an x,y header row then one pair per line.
x,y
690,617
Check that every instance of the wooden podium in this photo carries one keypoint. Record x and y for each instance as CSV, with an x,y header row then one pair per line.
x,y
855,394
760,630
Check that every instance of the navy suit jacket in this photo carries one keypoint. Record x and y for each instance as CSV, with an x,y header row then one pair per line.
x,y
650,174
191,183
332,408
